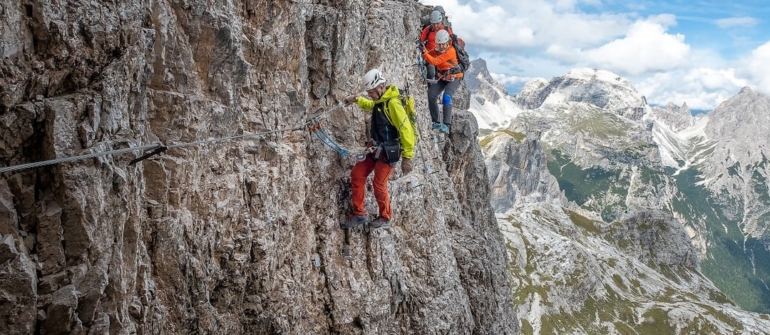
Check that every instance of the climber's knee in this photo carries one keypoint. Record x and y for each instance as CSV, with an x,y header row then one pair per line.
x,y
447,99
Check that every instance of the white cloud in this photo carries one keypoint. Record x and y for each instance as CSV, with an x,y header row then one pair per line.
x,y
757,67
509,79
664,20
547,38
609,41
515,25
571,4
524,65
700,88
743,21
484,27
646,48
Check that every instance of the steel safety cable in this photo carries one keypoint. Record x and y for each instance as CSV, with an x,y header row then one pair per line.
x,y
77,158
158,145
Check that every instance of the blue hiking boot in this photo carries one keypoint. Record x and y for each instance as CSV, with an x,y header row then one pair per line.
x,y
379,223
436,126
444,129
354,221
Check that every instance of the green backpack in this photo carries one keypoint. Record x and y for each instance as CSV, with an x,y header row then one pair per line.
x,y
408,102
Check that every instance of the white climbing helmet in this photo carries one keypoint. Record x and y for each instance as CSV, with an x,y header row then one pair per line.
x,y
436,17
372,79
442,36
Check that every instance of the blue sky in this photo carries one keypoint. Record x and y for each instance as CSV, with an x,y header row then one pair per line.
x,y
698,52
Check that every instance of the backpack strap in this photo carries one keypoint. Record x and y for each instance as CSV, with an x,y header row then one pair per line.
x,y
427,28
387,113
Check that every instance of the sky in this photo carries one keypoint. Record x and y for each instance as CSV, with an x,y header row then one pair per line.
x,y
696,52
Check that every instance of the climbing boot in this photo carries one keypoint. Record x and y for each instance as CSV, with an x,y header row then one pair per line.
x,y
444,129
436,126
355,220
379,223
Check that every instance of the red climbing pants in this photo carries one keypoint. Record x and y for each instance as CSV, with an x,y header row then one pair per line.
x,y
358,176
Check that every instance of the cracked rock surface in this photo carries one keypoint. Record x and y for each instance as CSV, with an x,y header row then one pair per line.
x,y
235,236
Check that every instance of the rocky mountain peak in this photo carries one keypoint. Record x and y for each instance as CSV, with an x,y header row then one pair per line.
x,y
518,170
479,81
479,66
743,115
490,102
738,127
602,89
587,74
746,90
672,116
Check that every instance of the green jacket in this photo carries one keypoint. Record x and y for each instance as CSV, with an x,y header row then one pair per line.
x,y
396,114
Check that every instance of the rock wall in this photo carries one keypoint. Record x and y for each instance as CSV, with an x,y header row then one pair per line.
x,y
654,237
233,236
518,172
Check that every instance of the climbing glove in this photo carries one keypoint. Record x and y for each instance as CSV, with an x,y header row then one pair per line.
x,y
406,165
351,99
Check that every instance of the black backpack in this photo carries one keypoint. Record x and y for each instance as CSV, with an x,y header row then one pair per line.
x,y
424,22
464,61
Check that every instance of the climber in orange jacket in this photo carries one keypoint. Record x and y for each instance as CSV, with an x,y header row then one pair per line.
x,y
428,34
428,38
393,140
444,57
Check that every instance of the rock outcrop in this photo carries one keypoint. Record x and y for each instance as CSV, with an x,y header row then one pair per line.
x,y
480,82
518,170
227,236
490,103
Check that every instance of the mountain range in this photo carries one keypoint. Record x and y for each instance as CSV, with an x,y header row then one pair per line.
x,y
621,217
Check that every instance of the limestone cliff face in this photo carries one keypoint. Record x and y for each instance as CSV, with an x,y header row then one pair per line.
x,y
233,236
518,171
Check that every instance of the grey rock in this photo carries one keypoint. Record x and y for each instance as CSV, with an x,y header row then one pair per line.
x,y
18,288
477,79
656,238
602,89
49,239
737,128
217,237
7,249
60,315
489,101
518,171
677,118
